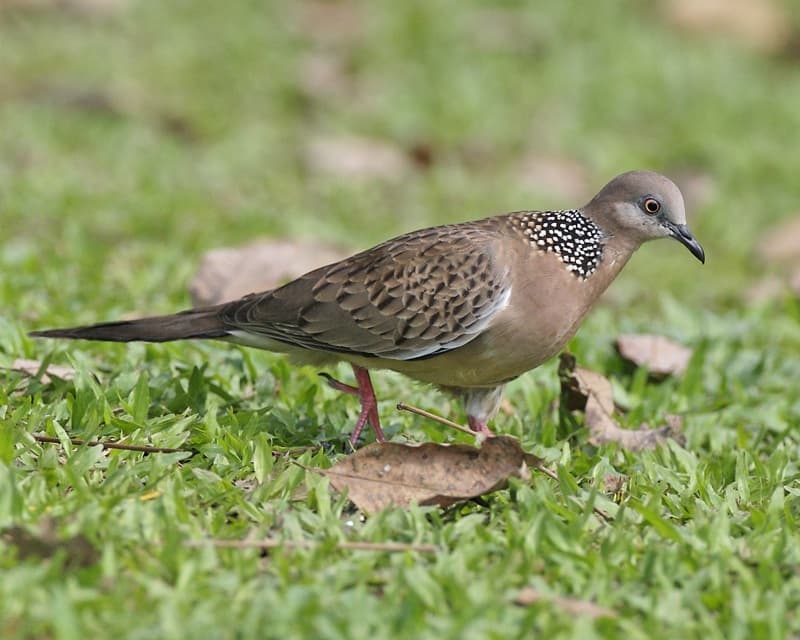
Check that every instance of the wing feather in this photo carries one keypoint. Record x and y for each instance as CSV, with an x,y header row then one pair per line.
x,y
412,297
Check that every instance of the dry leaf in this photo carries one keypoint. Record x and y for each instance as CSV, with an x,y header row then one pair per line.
x,y
659,355
78,551
582,389
31,368
572,606
780,247
781,243
355,157
500,29
764,290
579,384
698,188
385,474
614,483
603,430
324,76
563,178
114,105
230,273
760,24
90,8
331,23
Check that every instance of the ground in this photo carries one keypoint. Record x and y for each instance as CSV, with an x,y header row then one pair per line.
x,y
136,135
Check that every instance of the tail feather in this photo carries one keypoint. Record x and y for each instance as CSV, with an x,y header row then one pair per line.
x,y
194,323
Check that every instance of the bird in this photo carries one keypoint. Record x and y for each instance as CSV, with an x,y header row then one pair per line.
x,y
466,307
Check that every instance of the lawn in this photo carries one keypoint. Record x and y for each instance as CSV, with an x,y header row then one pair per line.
x,y
135,136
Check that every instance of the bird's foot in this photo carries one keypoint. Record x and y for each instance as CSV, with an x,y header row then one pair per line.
x,y
479,428
333,383
369,403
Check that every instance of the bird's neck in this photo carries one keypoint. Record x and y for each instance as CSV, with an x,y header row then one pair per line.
x,y
617,250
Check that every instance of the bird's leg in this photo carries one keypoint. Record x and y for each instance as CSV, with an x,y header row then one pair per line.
x,y
481,404
369,404
479,427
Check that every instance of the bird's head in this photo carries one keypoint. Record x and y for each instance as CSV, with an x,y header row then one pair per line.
x,y
644,205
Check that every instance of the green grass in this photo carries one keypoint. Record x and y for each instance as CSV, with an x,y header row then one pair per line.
x,y
106,211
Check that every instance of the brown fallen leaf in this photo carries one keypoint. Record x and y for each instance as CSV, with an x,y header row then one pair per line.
x,y
563,178
614,483
764,290
529,595
32,367
579,384
331,23
356,157
588,391
698,187
77,549
325,76
102,102
90,8
394,474
781,243
229,273
659,355
762,25
494,28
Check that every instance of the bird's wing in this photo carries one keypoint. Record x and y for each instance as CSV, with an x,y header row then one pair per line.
x,y
412,297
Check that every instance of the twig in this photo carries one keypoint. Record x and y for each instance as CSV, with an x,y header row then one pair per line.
x,y
111,445
270,543
277,453
539,466
402,406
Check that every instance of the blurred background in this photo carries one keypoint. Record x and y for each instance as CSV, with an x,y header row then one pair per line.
x,y
136,135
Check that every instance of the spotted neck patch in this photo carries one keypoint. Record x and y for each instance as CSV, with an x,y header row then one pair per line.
x,y
572,237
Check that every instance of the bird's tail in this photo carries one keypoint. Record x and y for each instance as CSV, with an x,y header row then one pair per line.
x,y
193,323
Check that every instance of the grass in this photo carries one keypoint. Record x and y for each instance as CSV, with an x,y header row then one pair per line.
x,y
133,139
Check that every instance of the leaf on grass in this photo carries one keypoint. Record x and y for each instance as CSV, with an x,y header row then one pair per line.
x,y
781,243
390,473
762,25
87,8
32,367
78,551
779,247
659,355
578,385
102,102
560,177
572,606
590,392
331,24
614,483
764,290
229,273
698,187
355,157
325,76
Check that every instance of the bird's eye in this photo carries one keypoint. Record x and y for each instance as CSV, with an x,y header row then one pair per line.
x,y
651,206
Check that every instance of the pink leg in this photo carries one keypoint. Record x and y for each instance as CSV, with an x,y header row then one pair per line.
x,y
479,427
369,404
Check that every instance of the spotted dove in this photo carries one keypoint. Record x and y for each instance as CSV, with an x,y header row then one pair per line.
x,y
466,307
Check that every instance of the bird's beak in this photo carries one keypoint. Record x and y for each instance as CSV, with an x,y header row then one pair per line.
x,y
682,234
